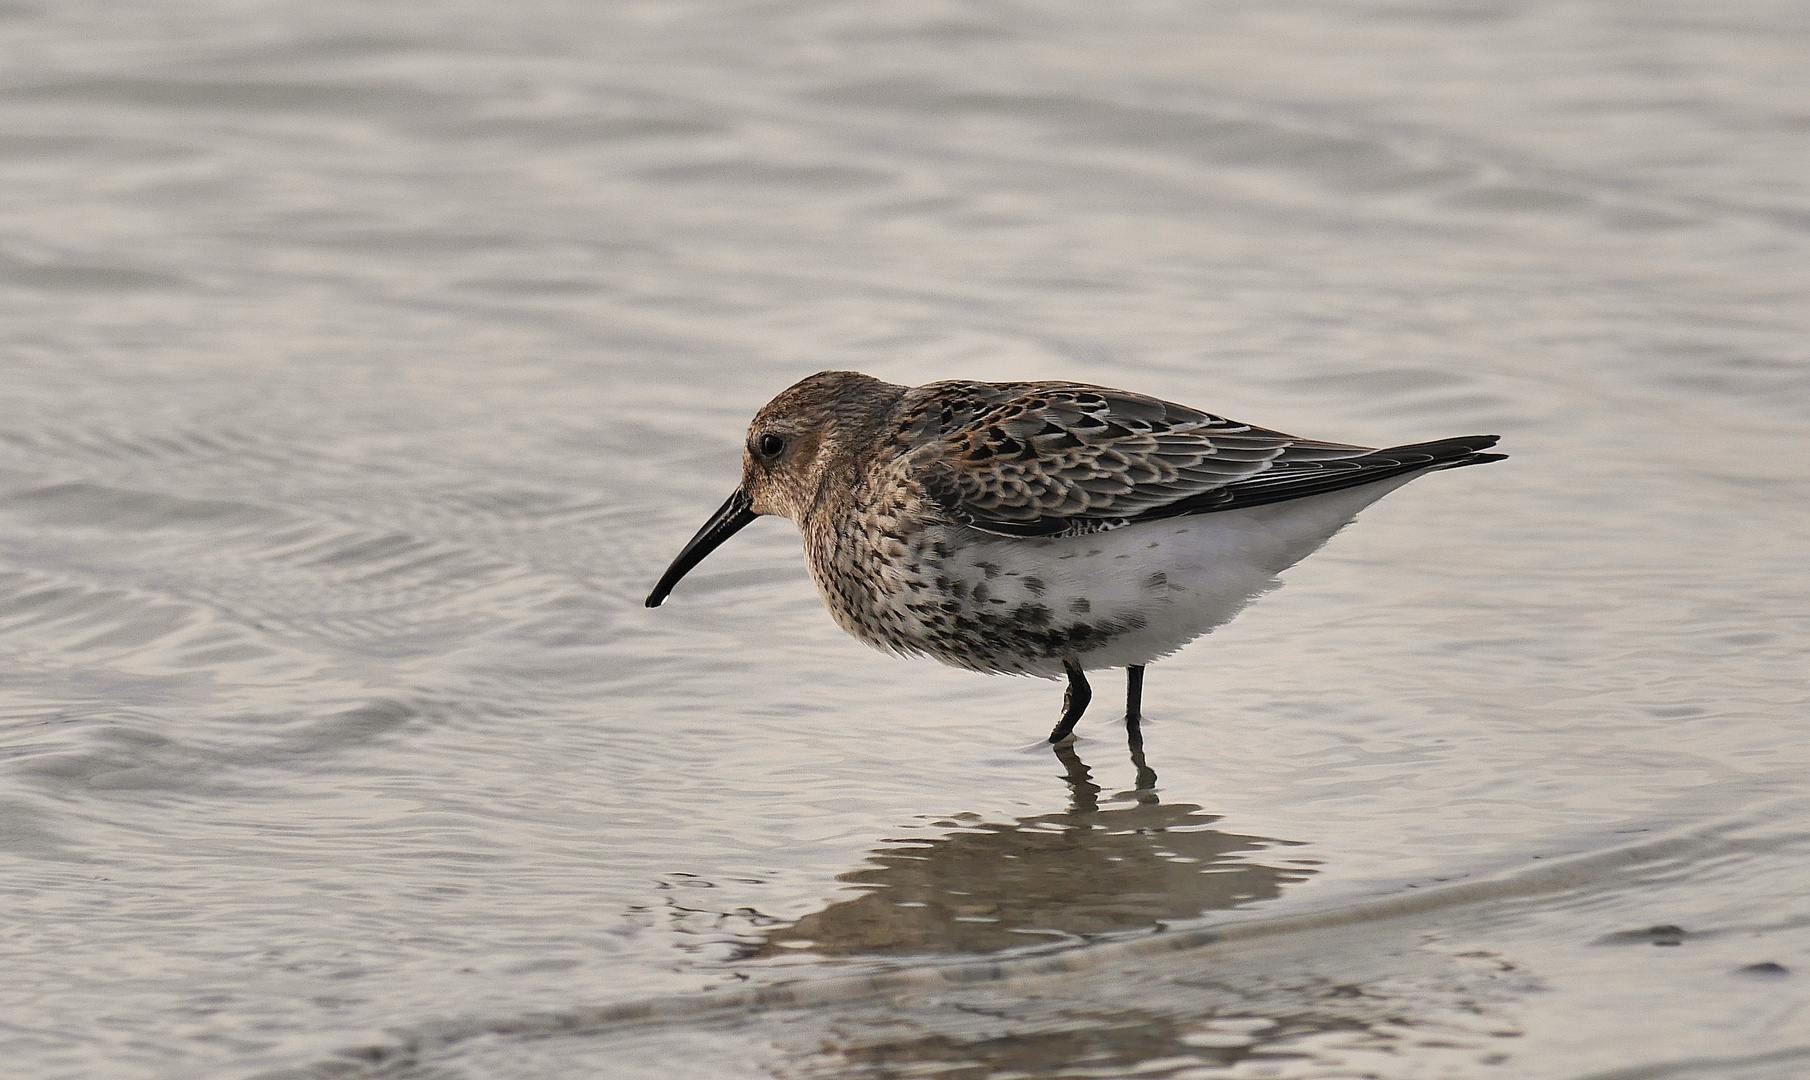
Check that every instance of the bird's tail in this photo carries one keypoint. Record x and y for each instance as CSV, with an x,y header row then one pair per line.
x,y
1445,453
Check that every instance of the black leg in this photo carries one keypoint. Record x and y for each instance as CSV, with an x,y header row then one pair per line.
x,y
1134,706
1074,702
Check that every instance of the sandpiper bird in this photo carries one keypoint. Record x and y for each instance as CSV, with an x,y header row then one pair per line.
x,y
1043,528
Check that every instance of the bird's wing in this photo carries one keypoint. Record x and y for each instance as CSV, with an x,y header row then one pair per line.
x,y
1054,458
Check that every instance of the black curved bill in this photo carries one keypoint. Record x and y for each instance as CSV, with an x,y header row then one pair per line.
x,y
726,522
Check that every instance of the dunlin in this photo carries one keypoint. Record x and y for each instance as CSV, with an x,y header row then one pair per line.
x,y
1043,528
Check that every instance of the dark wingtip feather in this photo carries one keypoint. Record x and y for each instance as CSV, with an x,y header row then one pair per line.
x,y
1453,453
1280,485
1482,459
1445,449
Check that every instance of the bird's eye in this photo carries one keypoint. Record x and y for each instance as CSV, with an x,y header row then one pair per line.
x,y
771,445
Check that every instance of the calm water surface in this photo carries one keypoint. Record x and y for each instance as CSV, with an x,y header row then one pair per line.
x,y
365,363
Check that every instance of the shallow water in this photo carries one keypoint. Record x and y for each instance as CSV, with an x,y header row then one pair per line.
x,y
364,364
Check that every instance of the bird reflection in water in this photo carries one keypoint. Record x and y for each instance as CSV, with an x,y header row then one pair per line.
x,y
1068,876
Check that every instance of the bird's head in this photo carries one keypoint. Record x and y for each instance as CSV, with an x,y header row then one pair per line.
x,y
800,446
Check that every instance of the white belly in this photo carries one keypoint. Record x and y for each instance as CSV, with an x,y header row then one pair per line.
x,y
1160,584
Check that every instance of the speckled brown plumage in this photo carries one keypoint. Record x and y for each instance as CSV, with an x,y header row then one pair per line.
x,y
1042,528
